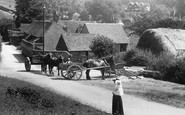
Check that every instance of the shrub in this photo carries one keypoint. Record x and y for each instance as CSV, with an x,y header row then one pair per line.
x,y
31,96
170,68
175,72
137,57
102,46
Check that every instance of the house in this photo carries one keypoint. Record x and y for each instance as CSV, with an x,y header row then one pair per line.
x,y
163,40
77,44
111,30
137,7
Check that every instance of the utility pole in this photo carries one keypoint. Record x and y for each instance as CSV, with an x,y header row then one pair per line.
x,y
43,27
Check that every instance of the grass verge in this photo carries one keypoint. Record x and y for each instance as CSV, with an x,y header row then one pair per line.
x,y
149,89
22,98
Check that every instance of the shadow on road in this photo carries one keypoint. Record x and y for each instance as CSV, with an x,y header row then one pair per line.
x,y
58,78
36,72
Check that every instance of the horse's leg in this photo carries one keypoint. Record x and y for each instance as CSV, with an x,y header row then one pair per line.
x,y
45,69
42,67
50,68
87,75
102,72
58,70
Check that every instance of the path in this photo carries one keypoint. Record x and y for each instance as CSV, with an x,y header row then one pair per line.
x,y
12,65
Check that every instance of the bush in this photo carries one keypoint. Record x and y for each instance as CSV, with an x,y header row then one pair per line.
x,y
170,68
102,46
137,57
175,71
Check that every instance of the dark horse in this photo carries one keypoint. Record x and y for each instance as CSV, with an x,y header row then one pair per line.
x,y
55,62
93,63
45,60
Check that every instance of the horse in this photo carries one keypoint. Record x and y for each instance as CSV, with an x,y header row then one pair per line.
x,y
45,60
55,62
90,63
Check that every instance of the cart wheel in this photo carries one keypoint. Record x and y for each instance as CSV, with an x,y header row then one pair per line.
x,y
74,72
64,74
27,64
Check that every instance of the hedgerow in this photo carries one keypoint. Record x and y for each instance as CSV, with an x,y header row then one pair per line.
x,y
171,68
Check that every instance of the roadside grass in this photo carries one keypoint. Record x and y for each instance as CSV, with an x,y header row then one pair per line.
x,y
149,89
22,98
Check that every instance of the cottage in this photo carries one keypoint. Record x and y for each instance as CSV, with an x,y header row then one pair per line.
x,y
163,40
111,30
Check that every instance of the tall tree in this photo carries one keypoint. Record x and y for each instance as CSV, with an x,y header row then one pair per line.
x,y
101,10
147,20
29,10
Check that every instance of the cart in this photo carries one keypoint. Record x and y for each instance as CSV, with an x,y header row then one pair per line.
x,y
33,52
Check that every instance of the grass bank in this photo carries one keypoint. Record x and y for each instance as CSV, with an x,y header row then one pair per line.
x,y
22,98
149,89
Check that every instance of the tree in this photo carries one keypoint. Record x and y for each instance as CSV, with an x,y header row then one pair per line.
x,y
5,24
102,46
101,10
180,5
84,16
29,10
147,20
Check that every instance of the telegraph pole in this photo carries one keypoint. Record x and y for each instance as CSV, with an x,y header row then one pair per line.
x,y
43,27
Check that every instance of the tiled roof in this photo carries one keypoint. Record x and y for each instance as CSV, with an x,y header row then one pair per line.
x,y
76,42
72,25
111,30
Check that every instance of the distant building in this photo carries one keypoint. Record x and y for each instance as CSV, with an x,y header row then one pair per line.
x,y
137,7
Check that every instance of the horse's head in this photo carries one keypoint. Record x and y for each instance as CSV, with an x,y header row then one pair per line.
x,y
110,61
46,58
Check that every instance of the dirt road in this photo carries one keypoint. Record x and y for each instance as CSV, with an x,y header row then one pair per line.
x,y
12,65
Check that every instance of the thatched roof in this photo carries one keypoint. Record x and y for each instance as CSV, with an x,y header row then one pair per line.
x,y
75,42
111,30
163,39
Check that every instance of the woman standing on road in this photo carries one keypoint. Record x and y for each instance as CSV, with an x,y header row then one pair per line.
x,y
117,103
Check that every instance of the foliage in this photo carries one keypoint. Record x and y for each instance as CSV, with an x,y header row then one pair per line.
x,y
171,69
136,57
147,20
102,46
84,16
29,10
5,24
101,10
31,96
171,23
